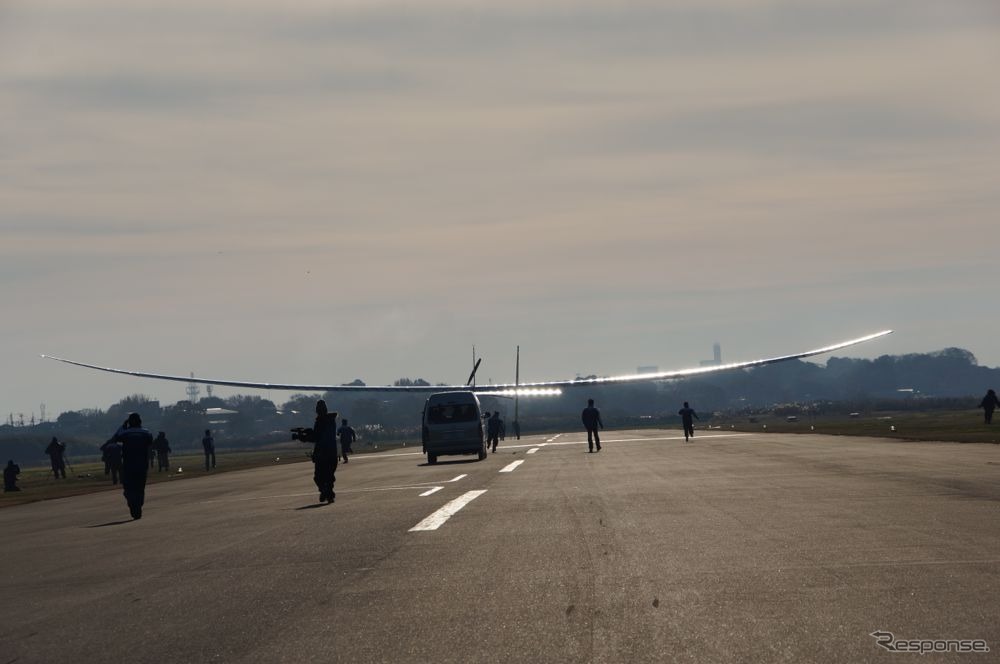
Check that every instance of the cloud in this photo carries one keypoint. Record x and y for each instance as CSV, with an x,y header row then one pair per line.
x,y
587,178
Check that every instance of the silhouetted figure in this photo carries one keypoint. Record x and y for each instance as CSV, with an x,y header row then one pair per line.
x,y
347,438
688,416
517,429
112,453
493,430
56,452
136,443
323,435
162,447
503,430
591,421
10,473
989,404
208,444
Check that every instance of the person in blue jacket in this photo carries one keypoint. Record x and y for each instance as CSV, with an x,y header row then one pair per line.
x,y
136,443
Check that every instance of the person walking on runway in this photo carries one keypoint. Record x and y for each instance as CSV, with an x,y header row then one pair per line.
x,y
347,438
591,421
208,444
162,447
493,430
323,435
112,453
688,416
136,443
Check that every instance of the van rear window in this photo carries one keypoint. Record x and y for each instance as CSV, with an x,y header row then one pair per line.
x,y
450,414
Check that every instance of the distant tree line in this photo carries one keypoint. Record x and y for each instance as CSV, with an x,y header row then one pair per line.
x,y
950,378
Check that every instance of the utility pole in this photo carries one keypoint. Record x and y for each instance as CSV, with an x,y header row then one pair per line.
x,y
517,382
41,409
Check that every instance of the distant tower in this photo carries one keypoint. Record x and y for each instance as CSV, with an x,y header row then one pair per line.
x,y
208,389
716,356
42,413
193,391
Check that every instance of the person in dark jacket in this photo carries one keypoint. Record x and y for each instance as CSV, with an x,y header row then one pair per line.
x,y
989,404
493,431
56,450
112,454
347,438
162,447
323,435
591,421
688,416
208,444
136,443
10,473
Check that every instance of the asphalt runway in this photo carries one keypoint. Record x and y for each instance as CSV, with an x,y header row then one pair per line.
x,y
733,548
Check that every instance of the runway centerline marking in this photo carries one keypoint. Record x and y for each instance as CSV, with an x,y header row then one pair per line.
x,y
532,450
437,519
434,490
510,467
455,479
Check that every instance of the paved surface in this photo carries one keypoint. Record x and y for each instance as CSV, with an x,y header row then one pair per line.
x,y
734,548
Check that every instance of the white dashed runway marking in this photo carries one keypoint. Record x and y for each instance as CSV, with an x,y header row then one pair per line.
x,y
437,519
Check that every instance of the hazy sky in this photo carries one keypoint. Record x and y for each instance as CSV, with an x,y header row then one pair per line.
x,y
320,191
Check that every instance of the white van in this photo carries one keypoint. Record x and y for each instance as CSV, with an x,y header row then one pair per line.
x,y
453,424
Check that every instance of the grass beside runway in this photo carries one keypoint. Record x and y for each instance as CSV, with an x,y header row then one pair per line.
x,y
36,483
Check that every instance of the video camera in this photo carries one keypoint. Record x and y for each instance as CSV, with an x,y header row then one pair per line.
x,y
305,434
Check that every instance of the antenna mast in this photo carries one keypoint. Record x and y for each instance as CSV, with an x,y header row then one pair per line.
x,y
193,391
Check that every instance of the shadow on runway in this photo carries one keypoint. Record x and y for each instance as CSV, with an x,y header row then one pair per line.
x,y
311,507
449,463
111,523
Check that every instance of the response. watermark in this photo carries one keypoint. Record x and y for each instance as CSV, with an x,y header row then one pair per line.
x,y
889,641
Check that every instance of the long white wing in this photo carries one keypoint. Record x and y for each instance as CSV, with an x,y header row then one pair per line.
x,y
524,389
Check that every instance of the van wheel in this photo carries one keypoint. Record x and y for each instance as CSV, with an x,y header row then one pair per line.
x,y
432,459
482,453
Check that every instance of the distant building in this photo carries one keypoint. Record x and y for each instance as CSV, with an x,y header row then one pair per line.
x,y
716,356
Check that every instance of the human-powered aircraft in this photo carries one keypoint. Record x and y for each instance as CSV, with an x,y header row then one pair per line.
x,y
537,388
